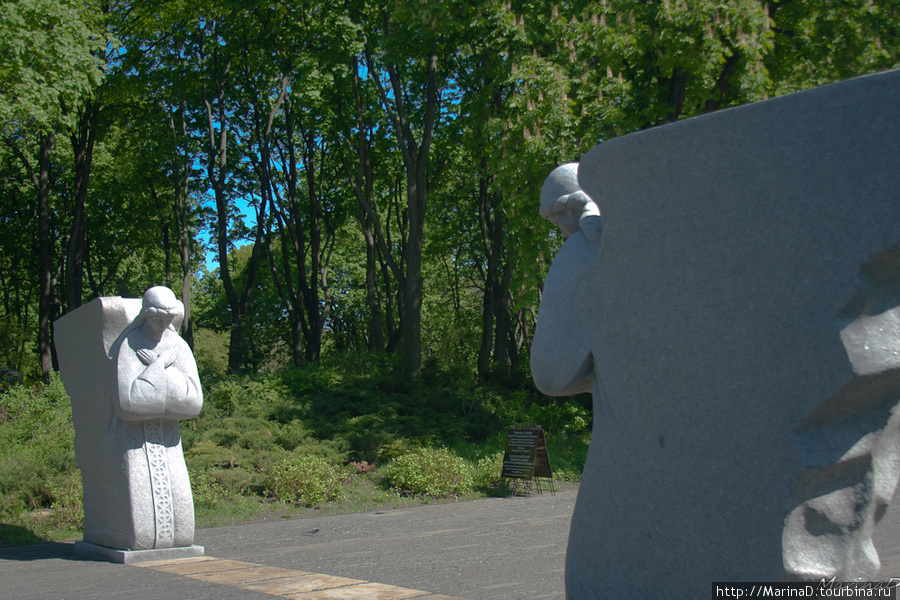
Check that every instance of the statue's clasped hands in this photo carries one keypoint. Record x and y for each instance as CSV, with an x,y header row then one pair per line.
x,y
148,357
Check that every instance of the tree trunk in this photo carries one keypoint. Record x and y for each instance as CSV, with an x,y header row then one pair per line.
x,y
412,290
298,285
724,82
316,276
184,248
45,250
491,280
677,89
393,329
362,181
504,341
217,166
375,340
415,158
167,249
83,150
180,185
365,186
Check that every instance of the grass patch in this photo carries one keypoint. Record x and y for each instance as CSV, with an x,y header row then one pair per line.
x,y
229,510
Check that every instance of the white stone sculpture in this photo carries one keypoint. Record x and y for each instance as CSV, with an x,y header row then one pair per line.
x,y
565,205
131,378
738,326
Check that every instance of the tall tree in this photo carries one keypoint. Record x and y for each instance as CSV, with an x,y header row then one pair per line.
x,y
163,84
404,43
638,64
49,68
358,132
221,35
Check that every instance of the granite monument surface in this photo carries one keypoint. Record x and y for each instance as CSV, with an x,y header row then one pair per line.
x,y
738,324
131,378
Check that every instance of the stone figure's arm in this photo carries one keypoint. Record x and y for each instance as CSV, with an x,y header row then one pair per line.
x,y
141,386
184,396
574,202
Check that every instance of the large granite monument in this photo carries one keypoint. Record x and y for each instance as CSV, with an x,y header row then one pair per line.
x,y
131,378
738,323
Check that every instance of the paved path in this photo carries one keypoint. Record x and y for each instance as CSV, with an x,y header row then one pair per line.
x,y
496,549
283,583
492,549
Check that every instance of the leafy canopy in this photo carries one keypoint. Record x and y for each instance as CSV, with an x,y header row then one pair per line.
x,y
50,58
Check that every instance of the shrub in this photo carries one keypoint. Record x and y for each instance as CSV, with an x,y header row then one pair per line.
x,y
205,489
488,470
37,455
245,396
67,502
234,469
394,449
430,471
306,479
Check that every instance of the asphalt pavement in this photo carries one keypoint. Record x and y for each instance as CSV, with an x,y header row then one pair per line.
x,y
489,549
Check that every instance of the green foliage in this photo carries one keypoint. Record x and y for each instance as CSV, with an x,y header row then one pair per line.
x,y
822,41
206,489
518,88
488,470
431,472
211,353
36,410
231,470
307,479
67,502
250,395
49,63
273,434
37,459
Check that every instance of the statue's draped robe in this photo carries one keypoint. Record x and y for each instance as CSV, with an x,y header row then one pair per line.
x,y
151,400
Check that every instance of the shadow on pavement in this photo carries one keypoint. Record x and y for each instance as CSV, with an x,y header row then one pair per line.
x,y
36,550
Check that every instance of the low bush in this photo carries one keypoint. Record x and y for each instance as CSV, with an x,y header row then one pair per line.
x,y
430,471
37,453
67,504
234,469
488,470
206,489
247,396
306,479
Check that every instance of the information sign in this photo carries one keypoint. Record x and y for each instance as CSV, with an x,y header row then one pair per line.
x,y
526,454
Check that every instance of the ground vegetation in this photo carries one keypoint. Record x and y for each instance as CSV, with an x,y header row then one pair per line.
x,y
347,436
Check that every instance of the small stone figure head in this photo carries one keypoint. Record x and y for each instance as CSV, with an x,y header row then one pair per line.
x,y
159,308
564,204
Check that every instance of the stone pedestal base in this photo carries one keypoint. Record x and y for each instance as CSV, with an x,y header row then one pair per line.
x,y
132,556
